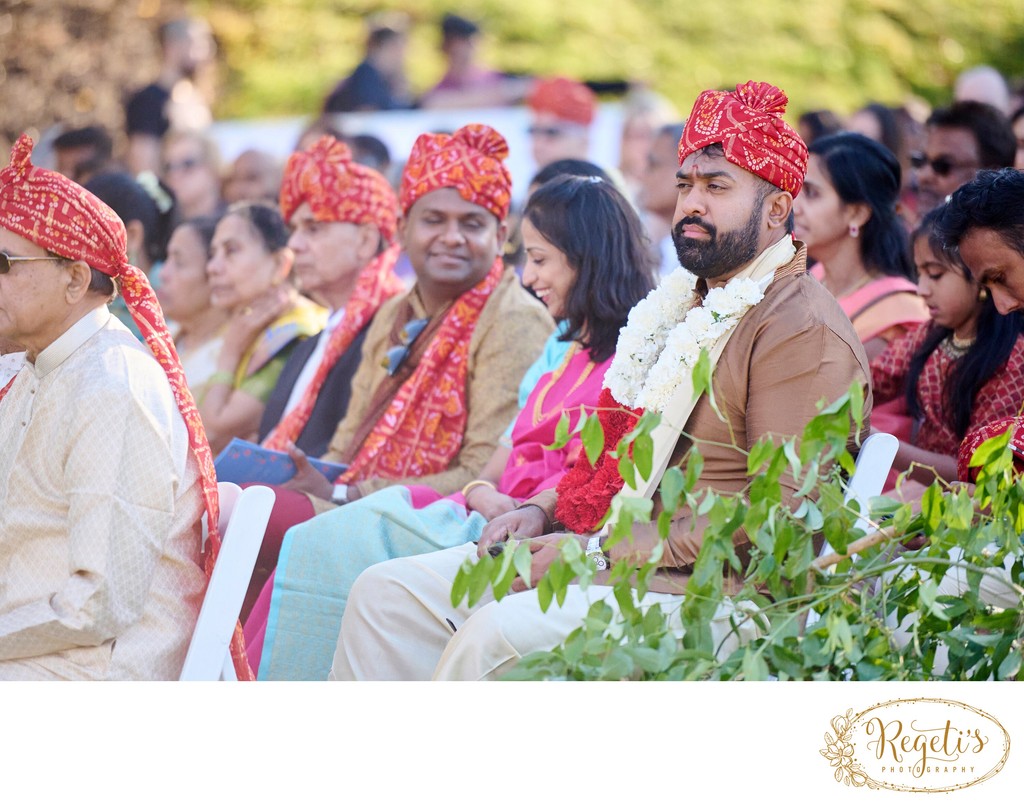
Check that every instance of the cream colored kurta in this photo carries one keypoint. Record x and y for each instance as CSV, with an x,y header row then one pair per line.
x,y
100,503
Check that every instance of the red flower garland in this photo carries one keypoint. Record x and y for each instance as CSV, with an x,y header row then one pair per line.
x,y
585,493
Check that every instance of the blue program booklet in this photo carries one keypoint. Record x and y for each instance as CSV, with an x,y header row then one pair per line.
x,y
243,462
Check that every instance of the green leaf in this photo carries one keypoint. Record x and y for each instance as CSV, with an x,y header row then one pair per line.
x,y
990,449
627,511
561,433
522,559
857,405
694,468
593,439
931,507
643,454
1010,666
671,489
702,372
627,470
761,451
460,585
754,666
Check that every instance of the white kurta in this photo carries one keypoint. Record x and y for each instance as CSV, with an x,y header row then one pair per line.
x,y
100,506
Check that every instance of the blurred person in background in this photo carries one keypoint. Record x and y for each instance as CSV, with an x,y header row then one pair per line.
x,y
378,81
561,112
466,82
644,113
817,124
962,139
254,176
191,169
174,100
658,195
82,153
984,84
148,213
1017,121
370,151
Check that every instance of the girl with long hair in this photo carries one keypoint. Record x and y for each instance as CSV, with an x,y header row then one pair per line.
x,y
958,371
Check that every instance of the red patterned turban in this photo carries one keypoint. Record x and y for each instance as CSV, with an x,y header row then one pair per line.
x,y
747,123
975,438
337,188
564,98
470,160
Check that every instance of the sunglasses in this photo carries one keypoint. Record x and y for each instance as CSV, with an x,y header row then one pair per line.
x,y
183,165
942,166
546,131
6,260
399,353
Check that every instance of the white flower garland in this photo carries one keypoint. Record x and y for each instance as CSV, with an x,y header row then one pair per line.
x,y
664,335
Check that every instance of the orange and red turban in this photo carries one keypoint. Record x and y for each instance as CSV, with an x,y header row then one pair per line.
x,y
61,216
338,189
747,123
564,98
470,160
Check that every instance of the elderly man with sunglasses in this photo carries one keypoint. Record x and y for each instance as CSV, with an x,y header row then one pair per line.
x,y
105,469
441,365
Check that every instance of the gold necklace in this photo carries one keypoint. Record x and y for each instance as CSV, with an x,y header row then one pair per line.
x,y
839,295
538,413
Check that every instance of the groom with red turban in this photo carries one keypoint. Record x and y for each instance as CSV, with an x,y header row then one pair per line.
x,y
105,469
778,343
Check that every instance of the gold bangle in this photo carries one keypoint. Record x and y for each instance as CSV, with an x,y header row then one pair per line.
x,y
477,483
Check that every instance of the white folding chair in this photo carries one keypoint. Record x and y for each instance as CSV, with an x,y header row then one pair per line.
x,y
874,461
243,521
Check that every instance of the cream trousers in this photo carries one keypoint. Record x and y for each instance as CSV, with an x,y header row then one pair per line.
x,y
400,625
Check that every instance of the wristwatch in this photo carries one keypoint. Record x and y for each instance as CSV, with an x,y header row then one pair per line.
x,y
594,550
340,494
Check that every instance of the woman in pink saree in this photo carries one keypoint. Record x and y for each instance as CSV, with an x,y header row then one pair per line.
x,y
587,260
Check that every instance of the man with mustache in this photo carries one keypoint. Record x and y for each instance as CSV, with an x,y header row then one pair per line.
x,y
786,345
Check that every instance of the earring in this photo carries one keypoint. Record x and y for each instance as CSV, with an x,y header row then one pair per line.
x,y
983,294
854,230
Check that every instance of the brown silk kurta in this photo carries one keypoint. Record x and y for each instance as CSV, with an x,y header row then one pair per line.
x,y
793,349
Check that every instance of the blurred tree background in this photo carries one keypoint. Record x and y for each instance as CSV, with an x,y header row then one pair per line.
x,y
73,61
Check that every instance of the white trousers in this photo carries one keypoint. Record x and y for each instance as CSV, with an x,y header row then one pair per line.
x,y
400,625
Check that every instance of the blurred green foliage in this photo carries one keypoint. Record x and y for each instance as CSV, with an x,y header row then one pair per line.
x,y
284,56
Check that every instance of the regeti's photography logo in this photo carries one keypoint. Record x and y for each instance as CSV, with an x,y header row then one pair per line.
x,y
921,745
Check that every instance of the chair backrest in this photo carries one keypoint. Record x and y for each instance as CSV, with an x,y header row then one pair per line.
x,y
243,521
228,493
874,461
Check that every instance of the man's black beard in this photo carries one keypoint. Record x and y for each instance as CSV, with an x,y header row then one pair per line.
x,y
717,256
